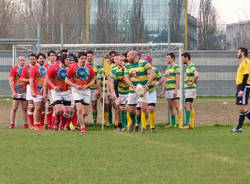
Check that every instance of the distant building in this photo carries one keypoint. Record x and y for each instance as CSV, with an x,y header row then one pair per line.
x,y
238,34
192,32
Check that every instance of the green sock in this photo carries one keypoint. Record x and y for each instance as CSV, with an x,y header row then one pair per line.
x,y
132,116
173,119
94,117
110,118
138,118
187,118
124,119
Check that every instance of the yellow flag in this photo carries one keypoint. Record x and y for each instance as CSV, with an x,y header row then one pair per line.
x,y
107,67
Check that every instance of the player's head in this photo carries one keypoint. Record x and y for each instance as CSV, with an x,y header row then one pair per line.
x,y
41,58
138,55
120,60
185,57
72,58
21,60
64,59
116,56
64,51
32,59
52,56
106,57
90,56
132,56
125,54
170,57
148,58
111,56
82,58
242,52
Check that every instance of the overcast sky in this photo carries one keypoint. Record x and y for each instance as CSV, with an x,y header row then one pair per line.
x,y
231,11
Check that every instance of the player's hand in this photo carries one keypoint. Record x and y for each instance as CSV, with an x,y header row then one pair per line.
x,y
189,83
33,94
113,95
84,88
79,87
175,93
14,94
161,93
134,88
97,95
44,95
57,88
240,94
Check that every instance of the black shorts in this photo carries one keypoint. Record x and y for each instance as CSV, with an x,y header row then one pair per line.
x,y
81,101
189,100
244,99
65,103
21,99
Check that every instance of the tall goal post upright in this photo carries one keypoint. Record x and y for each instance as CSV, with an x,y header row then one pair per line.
x,y
157,50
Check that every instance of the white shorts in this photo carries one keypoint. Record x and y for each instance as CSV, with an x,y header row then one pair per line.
x,y
122,99
49,97
152,98
20,96
93,95
170,94
81,96
133,99
38,98
190,93
72,99
28,93
60,96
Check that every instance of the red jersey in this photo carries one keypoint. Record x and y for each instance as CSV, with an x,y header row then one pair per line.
x,y
57,75
15,73
49,65
80,75
26,73
38,72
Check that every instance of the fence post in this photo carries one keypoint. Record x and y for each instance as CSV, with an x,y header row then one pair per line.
x,y
182,90
13,54
38,37
62,32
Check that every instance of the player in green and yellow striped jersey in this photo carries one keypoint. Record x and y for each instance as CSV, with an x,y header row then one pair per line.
x,y
122,90
190,89
171,88
152,94
138,72
93,88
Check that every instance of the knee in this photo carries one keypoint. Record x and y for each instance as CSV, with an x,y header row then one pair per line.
x,y
151,109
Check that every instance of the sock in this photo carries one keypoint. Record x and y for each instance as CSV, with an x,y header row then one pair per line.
x,y
49,119
129,120
106,118
74,119
26,125
110,117
31,118
123,119
192,118
42,118
241,120
152,118
173,119
143,120
132,116
180,122
116,122
187,118
68,120
94,114
138,120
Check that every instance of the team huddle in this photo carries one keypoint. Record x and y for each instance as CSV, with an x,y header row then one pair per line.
x,y
62,87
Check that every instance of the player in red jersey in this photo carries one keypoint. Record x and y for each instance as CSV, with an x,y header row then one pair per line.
x,y
47,91
61,95
80,77
25,77
18,92
37,75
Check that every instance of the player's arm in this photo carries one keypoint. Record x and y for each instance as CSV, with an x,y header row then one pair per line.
x,y
163,89
11,83
70,83
23,76
91,76
127,80
150,73
32,76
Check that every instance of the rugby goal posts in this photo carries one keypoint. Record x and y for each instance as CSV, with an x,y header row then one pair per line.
x,y
158,51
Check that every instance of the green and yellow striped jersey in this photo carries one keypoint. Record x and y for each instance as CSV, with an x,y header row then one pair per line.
x,y
157,77
171,72
99,77
96,67
137,73
118,75
190,76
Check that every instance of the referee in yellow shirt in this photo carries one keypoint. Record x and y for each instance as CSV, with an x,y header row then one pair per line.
x,y
243,87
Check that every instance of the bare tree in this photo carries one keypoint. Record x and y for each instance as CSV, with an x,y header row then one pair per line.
x,y
193,7
207,26
137,27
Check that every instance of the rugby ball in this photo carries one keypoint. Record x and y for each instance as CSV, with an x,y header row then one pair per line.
x,y
140,91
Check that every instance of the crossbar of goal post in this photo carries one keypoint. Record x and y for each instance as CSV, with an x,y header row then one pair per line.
x,y
159,47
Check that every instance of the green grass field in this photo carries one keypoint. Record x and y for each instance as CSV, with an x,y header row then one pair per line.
x,y
207,154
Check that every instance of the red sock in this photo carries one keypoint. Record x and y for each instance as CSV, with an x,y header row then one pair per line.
x,y
74,119
42,119
31,119
26,125
83,130
68,120
49,119
63,122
